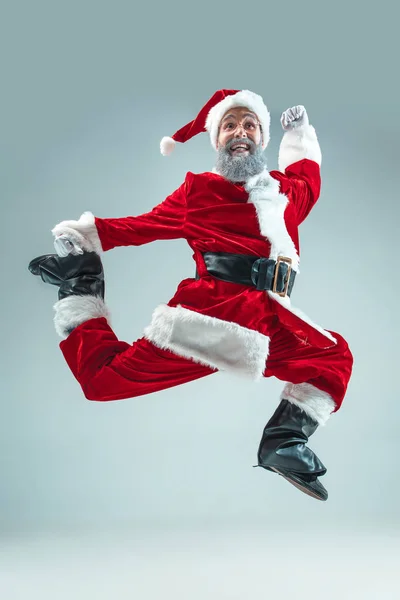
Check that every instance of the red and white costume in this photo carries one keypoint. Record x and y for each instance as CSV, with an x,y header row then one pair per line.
x,y
209,324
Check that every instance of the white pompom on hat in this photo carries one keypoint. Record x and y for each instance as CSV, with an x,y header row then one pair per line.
x,y
209,118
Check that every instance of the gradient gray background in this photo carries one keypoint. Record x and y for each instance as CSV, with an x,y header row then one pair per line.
x,y
157,495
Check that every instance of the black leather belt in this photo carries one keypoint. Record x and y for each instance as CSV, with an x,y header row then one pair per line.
x,y
263,273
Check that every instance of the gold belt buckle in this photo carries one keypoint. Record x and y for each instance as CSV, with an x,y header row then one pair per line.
x,y
283,259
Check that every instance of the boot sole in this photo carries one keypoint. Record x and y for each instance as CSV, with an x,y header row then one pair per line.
x,y
300,487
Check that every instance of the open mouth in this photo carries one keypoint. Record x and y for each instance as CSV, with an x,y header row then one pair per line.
x,y
240,148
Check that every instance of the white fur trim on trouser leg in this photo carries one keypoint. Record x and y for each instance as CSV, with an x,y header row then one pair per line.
x,y
298,144
316,403
75,310
83,232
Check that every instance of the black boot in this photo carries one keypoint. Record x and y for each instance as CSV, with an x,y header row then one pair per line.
x,y
79,275
283,449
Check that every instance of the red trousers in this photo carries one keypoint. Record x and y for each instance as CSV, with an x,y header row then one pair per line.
x,y
109,369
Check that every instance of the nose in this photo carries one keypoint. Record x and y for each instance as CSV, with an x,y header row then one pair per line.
x,y
240,131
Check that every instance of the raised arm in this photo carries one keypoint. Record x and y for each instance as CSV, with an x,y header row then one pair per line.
x,y
90,233
300,159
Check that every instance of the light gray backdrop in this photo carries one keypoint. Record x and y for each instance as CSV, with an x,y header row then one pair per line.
x,y
88,91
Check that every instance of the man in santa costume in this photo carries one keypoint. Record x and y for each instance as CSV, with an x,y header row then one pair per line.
x,y
235,315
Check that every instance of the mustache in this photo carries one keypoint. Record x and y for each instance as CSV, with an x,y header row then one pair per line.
x,y
250,143
240,168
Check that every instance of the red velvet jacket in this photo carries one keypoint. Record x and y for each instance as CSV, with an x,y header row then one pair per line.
x,y
213,214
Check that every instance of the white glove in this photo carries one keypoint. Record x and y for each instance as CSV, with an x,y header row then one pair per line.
x,y
64,245
294,117
77,237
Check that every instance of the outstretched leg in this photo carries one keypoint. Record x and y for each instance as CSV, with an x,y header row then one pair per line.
x,y
105,367
109,369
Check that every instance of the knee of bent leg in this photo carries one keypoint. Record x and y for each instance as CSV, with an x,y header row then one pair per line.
x,y
343,352
95,393
99,386
110,383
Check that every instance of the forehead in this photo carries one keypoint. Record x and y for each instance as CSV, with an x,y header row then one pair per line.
x,y
238,112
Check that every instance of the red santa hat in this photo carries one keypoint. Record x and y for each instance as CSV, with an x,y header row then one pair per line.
x,y
210,116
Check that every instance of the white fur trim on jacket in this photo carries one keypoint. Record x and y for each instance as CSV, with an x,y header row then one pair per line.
x,y
316,403
75,310
297,144
250,100
82,232
209,341
270,207
285,301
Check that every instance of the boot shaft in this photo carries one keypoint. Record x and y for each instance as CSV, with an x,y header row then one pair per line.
x,y
80,274
284,439
289,416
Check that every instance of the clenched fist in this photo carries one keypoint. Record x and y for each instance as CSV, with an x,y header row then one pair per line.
x,y
75,237
294,117
65,245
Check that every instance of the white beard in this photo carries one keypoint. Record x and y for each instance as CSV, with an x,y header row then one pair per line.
x,y
240,168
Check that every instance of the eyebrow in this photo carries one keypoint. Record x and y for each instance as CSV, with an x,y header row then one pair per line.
x,y
230,116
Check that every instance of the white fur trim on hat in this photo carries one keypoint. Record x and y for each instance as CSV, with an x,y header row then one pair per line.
x,y
167,145
250,100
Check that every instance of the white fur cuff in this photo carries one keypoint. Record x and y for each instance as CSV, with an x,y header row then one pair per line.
x,y
82,232
75,310
297,144
316,403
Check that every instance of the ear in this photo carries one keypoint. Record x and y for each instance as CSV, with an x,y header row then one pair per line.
x,y
217,144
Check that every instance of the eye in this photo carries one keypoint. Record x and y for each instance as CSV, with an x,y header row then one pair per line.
x,y
229,126
250,125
